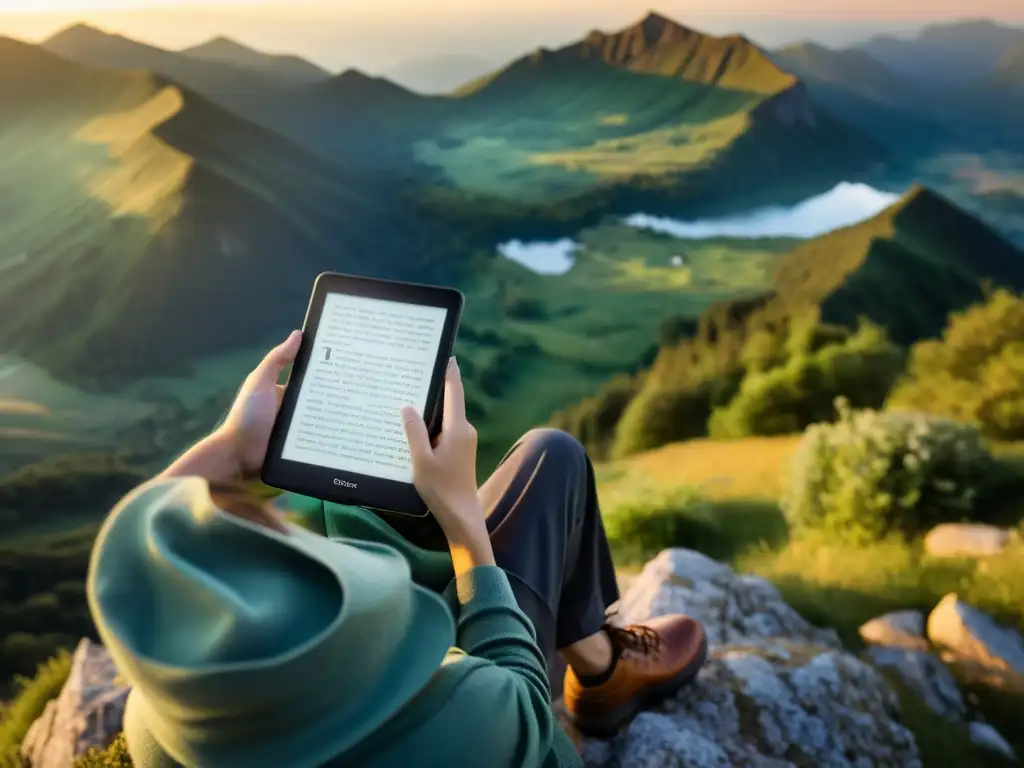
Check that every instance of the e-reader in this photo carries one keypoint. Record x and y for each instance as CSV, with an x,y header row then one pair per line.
x,y
369,347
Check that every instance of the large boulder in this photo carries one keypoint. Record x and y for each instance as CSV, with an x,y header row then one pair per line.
x,y
86,714
971,638
776,691
966,540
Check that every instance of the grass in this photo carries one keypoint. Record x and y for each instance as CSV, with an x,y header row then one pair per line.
x,y
28,703
720,498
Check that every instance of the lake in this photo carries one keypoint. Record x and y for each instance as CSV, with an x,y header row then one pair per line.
x,y
845,204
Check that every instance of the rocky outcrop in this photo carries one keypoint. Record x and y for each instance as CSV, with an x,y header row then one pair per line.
x,y
86,714
776,691
969,642
899,629
971,637
988,738
926,676
966,540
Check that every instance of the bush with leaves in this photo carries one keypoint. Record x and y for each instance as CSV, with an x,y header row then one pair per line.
x,y
786,399
872,474
651,518
975,372
114,756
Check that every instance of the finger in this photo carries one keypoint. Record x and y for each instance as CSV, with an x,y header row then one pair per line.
x,y
270,368
454,396
416,434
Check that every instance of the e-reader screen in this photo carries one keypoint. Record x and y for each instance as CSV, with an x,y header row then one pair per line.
x,y
369,358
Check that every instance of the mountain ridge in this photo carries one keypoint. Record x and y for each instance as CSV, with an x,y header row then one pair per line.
x,y
866,94
947,54
151,195
440,74
686,104
657,45
232,85
852,68
1009,72
905,269
227,50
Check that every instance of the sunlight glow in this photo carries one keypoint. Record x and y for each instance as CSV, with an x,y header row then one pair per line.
x,y
89,6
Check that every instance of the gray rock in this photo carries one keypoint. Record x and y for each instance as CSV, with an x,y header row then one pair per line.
x,y
967,634
965,540
987,737
86,714
926,676
776,691
899,629
732,607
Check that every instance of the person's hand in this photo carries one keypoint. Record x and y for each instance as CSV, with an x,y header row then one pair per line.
x,y
247,427
445,473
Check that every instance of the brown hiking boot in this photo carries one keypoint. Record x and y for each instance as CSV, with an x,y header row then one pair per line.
x,y
654,660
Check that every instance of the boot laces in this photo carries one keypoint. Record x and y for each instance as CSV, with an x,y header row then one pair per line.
x,y
641,639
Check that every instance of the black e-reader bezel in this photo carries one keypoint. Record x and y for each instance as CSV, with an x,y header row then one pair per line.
x,y
328,484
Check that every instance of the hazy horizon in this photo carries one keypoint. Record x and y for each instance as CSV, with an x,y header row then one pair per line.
x,y
378,38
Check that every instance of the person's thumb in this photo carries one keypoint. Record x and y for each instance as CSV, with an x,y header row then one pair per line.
x,y
416,435
269,369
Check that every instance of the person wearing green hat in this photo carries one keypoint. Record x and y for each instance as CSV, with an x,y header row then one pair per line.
x,y
253,642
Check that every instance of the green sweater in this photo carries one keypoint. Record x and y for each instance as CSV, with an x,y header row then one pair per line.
x,y
489,704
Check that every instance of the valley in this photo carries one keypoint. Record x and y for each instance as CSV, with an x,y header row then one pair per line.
x,y
685,249
675,169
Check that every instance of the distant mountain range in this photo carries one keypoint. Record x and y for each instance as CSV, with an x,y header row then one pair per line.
x,y
220,160
288,68
444,73
130,198
946,55
655,101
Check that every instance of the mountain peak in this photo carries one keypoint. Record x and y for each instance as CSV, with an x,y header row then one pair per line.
x,y
224,44
79,31
924,202
355,84
654,26
658,45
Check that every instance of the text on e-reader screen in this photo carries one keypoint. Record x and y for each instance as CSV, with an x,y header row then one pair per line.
x,y
370,357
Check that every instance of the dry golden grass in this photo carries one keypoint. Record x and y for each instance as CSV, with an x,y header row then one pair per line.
x,y
17,407
752,468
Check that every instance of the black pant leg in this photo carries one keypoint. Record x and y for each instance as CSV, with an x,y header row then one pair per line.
x,y
547,534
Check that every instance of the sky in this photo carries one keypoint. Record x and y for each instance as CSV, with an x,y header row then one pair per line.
x,y
379,34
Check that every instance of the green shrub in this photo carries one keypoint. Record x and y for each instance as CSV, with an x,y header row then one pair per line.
x,y
861,367
975,372
651,519
31,697
593,420
872,474
662,413
42,598
75,487
114,756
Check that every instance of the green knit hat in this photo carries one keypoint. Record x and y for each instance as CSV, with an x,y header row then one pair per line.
x,y
248,647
